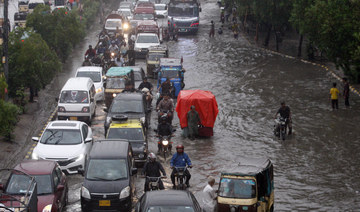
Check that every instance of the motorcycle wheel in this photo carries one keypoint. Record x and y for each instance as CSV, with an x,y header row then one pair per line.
x,y
283,133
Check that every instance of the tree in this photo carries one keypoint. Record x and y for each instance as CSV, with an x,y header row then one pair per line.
x,y
8,118
32,63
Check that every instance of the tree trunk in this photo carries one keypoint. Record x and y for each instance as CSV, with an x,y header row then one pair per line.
x,y
300,45
257,32
31,98
277,41
267,38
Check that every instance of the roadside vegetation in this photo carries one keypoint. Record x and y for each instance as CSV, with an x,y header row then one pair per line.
x,y
330,26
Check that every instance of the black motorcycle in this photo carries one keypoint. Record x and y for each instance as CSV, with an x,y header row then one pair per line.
x,y
154,183
180,178
280,128
165,145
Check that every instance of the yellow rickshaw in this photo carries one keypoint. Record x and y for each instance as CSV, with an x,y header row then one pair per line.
x,y
249,186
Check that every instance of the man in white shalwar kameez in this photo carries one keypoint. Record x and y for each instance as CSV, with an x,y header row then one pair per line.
x,y
209,196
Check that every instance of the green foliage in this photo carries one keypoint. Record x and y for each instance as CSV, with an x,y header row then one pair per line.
x,y
89,11
8,117
32,62
3,86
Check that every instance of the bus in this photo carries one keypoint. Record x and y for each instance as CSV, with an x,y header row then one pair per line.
x,y
185,14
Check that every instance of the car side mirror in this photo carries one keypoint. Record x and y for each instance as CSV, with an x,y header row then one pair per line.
x,y
60,188
87,140
133,171
105,110
56,99
35,139
81,171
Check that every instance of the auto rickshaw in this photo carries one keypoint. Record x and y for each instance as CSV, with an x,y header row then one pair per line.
x,y
153,59
248,186
20,19
172,68
23,5
116,78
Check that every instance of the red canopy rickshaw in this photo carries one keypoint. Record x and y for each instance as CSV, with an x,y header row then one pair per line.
x,y
205,104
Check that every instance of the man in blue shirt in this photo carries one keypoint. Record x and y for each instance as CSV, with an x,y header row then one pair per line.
x,y
180,159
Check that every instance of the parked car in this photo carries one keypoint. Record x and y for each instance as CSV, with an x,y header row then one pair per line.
x,y
131,105
109,177
168,200
52,186
94,73
144,41
66,142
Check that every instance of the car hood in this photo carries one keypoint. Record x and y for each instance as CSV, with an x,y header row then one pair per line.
x,y
137,146
145,45
44,200
95,186
59,151
129,115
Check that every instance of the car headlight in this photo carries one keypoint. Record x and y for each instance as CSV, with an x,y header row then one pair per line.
x,y
47,208
165,142
142,120
98,90
112,54
126,26
85,192
114,95
81,156
125,192
34,156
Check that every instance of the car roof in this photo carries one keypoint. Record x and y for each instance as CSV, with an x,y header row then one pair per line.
x,y
36,167
110,149
89,69
77,83
129,96
64,124
248,166
130,123
168,197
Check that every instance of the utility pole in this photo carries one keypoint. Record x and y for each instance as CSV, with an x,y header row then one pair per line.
x,y
5,42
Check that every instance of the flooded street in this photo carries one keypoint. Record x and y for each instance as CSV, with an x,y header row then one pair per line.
x,y
316,169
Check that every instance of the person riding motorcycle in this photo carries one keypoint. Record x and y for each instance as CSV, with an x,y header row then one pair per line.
x,y
114,48
285,113
166,88
180,159
101,49
152,168
166,105
90,53
145,84
164,129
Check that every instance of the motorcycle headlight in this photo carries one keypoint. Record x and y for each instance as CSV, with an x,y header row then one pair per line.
x,y
165,142
98,90
81,156
114,95
126,26
112,54
142,120
125,192
34,156
85,193
47,208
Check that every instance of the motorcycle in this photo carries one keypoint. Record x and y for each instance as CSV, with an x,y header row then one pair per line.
x,y
154,183
180,178
280,128
165,145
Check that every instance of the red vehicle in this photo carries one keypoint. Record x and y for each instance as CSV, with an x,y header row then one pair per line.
x,y
148,26
51,183
205,104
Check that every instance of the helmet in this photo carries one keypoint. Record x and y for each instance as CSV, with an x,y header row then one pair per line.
x,y
163,117
152,156
90,46
180,148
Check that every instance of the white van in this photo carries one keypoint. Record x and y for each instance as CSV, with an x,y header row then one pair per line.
x,y
94,73
77,100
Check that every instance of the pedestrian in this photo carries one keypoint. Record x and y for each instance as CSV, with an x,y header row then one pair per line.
x,y
346,92
209,196
220,30
334,95
193,120
212,29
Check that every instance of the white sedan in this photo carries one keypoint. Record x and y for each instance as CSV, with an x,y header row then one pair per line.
x,y
66,142
144,41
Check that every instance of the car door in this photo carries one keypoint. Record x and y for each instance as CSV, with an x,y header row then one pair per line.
x,y
63,182
92,100
197,207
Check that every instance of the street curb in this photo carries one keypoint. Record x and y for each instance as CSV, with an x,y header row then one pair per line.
x,y
304,61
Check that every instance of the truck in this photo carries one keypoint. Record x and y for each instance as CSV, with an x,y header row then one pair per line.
x,y
185,14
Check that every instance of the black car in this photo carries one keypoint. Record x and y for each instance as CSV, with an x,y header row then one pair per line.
x,y
109,177
132,105
168,200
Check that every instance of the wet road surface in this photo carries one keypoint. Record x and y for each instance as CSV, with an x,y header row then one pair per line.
x,y
315,169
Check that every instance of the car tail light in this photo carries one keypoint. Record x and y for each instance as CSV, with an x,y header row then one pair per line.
x,y
61,109
194,24
85,109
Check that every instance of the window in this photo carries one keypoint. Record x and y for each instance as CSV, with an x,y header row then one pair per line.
x,y
170,209
111,169
127,106
85,131
92,93
61,137
56,179
147,39
95,76
58,172
131,134
74,97
237,188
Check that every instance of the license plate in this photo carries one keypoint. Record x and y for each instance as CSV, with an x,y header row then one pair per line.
x,y
73,118
182,30
104,202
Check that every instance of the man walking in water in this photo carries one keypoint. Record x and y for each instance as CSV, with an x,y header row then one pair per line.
x,y
334,96
193,121
212,29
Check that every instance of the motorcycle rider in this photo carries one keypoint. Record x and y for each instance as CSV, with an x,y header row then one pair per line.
x,y
166,104
180,159
114,48
166,89
145,84
90,53
101,49
164,129
129,87
285,113
152,168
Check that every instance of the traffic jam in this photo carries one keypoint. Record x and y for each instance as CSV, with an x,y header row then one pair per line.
x,y
130,78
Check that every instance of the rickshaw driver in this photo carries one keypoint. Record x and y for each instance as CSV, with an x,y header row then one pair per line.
x,y
180,159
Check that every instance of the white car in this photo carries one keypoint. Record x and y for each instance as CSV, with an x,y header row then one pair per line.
x,y
66,142
126,13
112,24
144,41
94,73
161,10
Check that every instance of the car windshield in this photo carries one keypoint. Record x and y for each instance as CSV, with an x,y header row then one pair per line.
x,y
169,208
153,57
147,39
95,76
109,170
183,10
170,74
61,137
113,24
127,106
126,12
59,2
131,134
18,184
74,97
237,188
160,7
143,16
116,83
137,76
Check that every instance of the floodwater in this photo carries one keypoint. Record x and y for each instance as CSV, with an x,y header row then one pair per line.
x,y
315,169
